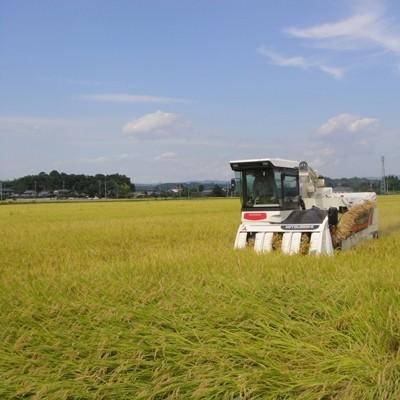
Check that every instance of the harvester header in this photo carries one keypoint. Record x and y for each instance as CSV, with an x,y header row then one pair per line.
x,y
287,207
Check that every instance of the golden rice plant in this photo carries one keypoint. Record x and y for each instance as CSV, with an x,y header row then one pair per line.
x,y
148,300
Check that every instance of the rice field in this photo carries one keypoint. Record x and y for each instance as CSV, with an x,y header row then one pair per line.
x,y
147,300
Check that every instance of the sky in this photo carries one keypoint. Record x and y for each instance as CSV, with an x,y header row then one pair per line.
x,y
174,89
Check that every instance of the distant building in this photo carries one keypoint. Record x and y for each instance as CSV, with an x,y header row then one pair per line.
x,y
61,193
6,193
44,194
28,194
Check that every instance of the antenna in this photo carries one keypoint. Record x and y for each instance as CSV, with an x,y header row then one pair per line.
x,y
383,181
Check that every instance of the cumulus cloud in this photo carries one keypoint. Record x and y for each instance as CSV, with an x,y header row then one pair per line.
x,y
157,125
342,139
300,62
364,28
129,98
347,123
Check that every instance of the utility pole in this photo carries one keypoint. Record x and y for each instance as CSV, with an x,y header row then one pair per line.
x,y
105,186
1,191
383,181
35,189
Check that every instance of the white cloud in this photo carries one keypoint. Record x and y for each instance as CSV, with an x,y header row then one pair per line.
x,y
300,62
168,156
157,125
342,141
347,123
362,29
129,98
368,31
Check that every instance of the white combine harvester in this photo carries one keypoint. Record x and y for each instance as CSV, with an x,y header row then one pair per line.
x,y
286,207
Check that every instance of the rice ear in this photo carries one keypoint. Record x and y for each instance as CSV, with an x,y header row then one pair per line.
x,y
305,243
277,241
350,219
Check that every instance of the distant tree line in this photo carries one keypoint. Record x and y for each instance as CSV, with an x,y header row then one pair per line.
x,y
355,184
365,184
99,185
61,184
178,190
393,183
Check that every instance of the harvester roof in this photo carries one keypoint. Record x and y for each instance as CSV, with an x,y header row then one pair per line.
x,y
276,162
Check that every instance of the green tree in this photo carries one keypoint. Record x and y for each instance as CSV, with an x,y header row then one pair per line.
x,y
124,190
393,183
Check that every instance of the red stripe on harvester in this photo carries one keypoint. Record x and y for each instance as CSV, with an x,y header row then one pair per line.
x,y
255,216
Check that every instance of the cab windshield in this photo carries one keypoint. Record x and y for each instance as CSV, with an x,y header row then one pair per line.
x,y
270,188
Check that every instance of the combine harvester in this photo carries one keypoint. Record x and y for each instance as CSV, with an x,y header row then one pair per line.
x,y
286,206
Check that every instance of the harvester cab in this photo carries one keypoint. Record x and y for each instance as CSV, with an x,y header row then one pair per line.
x,y
286,207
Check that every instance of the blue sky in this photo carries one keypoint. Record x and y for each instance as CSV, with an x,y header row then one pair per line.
x,y
172,90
